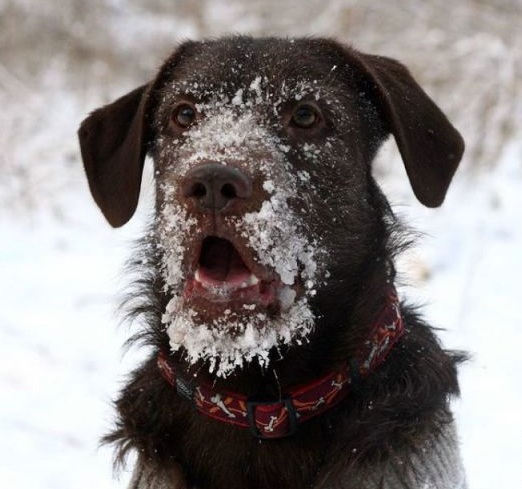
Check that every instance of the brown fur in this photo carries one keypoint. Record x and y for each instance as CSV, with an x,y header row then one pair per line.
x,y
400,404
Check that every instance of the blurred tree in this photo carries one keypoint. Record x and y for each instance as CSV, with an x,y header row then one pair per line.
x,y
467,55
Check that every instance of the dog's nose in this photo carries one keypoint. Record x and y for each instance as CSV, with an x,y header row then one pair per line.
x,y
213,186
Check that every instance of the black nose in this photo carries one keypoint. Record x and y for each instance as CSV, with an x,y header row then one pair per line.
x,y
214,186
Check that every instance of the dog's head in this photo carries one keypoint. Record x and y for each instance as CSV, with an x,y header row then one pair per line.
x,y
264,196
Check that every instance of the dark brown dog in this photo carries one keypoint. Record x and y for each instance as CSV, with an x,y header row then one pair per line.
x,y
280,355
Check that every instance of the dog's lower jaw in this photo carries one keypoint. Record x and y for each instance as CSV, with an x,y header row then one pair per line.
x,y
235,339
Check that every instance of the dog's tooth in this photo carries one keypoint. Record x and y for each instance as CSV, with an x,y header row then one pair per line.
x,y
197,276
252,280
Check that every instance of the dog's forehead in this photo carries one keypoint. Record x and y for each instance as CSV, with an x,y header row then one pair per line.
x,y
235,63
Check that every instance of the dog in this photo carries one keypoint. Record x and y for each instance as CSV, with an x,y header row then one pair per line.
x,y
280,353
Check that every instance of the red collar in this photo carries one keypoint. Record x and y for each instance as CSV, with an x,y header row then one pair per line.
x,y
279,418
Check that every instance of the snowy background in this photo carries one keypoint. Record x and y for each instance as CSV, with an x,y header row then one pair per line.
x,y
61,356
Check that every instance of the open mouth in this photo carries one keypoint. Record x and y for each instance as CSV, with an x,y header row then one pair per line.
x,y
222,276
239,289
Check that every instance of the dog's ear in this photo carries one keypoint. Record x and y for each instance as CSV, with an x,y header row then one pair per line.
x,y
431,148
113,143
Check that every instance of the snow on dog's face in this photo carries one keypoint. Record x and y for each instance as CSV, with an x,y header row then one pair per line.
x,y
268,221
240,275
239,217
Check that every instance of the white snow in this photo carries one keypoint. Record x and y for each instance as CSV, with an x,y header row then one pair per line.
x,y
253,338
275,233
238,98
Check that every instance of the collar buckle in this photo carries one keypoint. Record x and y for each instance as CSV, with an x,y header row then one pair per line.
x,y
283,413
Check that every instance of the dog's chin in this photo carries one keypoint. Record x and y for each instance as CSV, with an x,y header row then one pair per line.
x,y
237,338
232,311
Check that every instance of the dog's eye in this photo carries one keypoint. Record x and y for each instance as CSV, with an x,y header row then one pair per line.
x,y
305,116
184,115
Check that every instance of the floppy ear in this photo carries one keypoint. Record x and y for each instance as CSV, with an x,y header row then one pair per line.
x,y
113,143
431,148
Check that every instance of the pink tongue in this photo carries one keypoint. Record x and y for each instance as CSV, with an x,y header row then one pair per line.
x,y
220,262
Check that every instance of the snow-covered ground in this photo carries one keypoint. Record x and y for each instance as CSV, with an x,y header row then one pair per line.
x,y
61,356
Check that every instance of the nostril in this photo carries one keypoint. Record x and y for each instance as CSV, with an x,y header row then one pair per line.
x,y
228,191
198,190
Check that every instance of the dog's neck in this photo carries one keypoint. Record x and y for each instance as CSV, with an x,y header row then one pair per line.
x,y
151,424
280,416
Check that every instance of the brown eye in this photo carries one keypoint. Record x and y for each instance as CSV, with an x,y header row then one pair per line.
x,y
184,115
305,116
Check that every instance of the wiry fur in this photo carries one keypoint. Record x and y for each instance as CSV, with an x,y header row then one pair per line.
x,y
390,418
389,415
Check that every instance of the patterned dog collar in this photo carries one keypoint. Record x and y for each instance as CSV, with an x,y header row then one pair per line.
x,y
278,418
